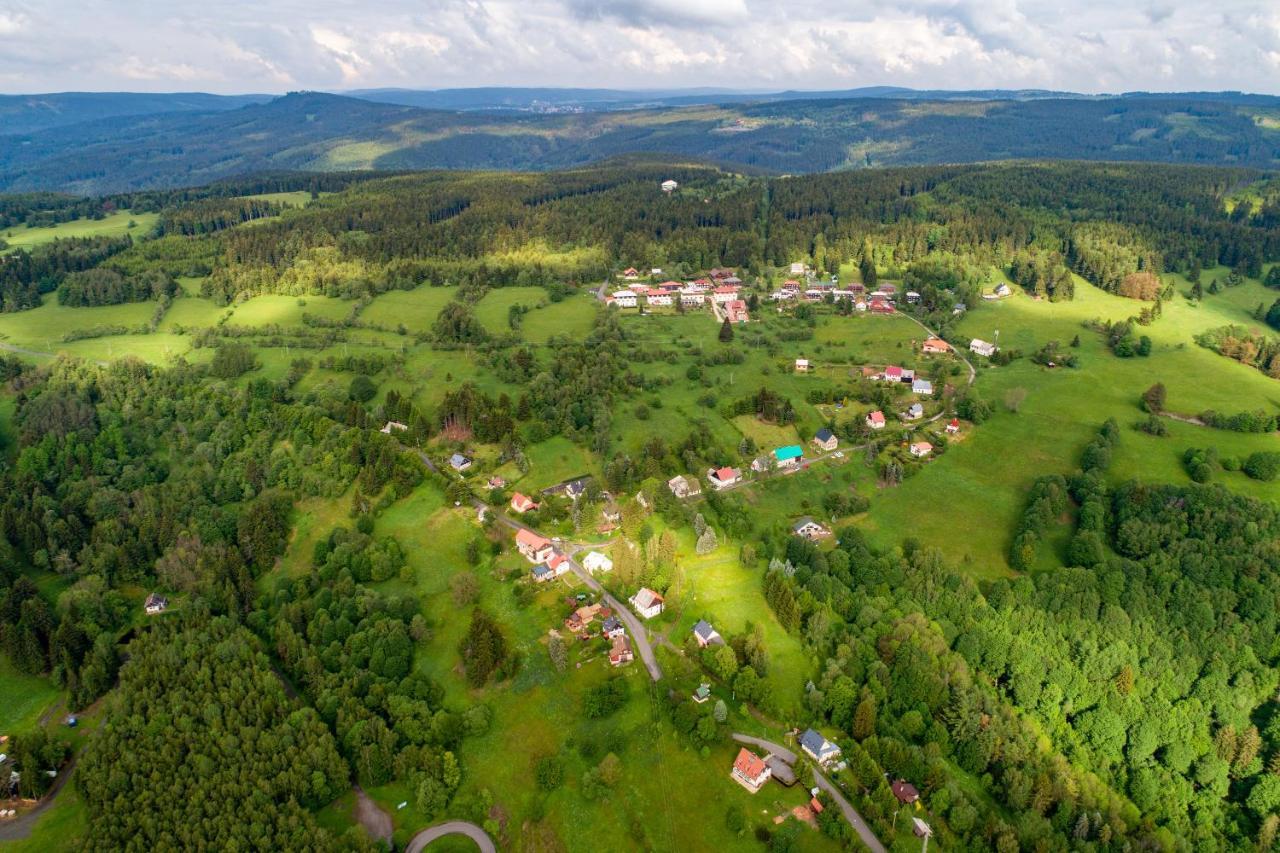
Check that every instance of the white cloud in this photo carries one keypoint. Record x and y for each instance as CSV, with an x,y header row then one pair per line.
x,y
271,45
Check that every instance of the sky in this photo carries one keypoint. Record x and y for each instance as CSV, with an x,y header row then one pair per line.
x,y
267,46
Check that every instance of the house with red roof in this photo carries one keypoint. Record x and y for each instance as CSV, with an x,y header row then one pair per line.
x,y
936,346
522,503
535,548
875,420
953,427
921,449
736,311
620,652
724,294
750,771
723,477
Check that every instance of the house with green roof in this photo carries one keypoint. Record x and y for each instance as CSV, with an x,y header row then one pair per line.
x,y
789,456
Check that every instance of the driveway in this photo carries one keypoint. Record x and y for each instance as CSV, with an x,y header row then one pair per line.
x,y
451,827
775,748
850,813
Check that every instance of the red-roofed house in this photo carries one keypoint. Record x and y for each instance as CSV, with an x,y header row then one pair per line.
x,y
535,548
724,294
722,477
936,346
736,311
921,449
875,420
750,771
953,427
892,373
631,273
522,503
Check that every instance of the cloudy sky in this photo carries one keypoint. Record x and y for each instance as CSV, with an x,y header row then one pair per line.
x,y
280,45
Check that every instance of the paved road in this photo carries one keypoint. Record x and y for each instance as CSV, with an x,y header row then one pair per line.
x,y
639,635
775,748
850,813
451,827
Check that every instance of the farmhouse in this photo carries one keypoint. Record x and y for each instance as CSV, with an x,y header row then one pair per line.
x,y
750,771
921,449
802,365
936,346
155,603
809,529
921,386
393,426
818,747
705,634
826,439
683,487
647,603
535,548
621,652
875,420
612,627
624,299
789,456
522,503
722,478
597,562
914,412
953,427
459,463
981,347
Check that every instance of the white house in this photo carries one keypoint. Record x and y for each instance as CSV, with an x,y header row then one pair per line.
x,y
669,186
819,748
535,548
875,420
809,529
393,426
597,562
658,297
802,365
692,297
724,293
797,268
155,603
459,463
921,386
921,449
914,412
647,603
981,347
705,634
723,477
624,298
683,487
750,771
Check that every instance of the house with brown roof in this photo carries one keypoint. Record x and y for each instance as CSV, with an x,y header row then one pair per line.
x,y
875,420
647,603
750,770
905,792
621,652
936,346
921,449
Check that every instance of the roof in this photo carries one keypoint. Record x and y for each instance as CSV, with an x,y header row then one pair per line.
x,y
893,370
704,630
803,522
519,500
611,623
748,763
531,539
937,343
922,385
905,791
877,417
824,434
955,422
541,570
458,459
813,741
791,451
726,474
915,409
921,446
646,598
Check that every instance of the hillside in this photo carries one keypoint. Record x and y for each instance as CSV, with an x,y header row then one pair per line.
x,y
327,132
21,114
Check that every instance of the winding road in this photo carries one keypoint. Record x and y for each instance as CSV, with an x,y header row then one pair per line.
x,y
451,827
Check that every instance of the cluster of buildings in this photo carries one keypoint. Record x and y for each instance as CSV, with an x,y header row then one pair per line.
x,y
580,622
882,300
751,771
905,375
720,287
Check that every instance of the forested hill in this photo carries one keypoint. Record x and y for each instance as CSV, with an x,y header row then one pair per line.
x,y
321,132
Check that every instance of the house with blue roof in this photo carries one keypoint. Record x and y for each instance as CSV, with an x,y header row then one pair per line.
x,y
819,748
459,463
825,439
789,456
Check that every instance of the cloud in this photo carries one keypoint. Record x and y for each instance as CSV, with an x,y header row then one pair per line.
x,y
272,45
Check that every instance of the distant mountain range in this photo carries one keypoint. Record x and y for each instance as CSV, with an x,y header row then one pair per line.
x,y
93,143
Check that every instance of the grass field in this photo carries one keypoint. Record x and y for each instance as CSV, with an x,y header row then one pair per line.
x,y
26,698
114,225
492,309
416,309
43,328
288,310
572,316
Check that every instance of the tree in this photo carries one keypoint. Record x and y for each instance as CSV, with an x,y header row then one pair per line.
x,y
726,331
362,389
483,649
707,542
867,270
1153,398
864,718
558,652
720,712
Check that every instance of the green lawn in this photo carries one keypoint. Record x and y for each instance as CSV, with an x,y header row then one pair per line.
x,y
573,316
492,310
113,225
288,310
26,698
416,309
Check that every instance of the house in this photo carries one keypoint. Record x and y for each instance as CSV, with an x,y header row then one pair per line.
x,y
722,478
875,420
736,311
724,294
647,603
797,268
959,309
669,186
459,463
802,365
658,297
913,298
760,464
780,771
621,652
542,572
953,427
582,617
892,373
597,562
809,529
496,482
914,412
826,439
921,386
732,281
936,346
880,306
1002,290
888,289
703,693
624,299
155,603
393,426
904,792
558,563
684,487
750,771
791,286
692,297
535,548
921,449
656,271
819,748
789,456
612,627
720,273
631,273
981,347
705,634
522,503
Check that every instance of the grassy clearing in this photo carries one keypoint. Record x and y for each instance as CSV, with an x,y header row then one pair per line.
x,y
26,698
114,225
573,317
555,460
43,328
61,827
288,310
492,310
417,309
191,312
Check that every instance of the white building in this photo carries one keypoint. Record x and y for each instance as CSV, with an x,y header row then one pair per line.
x,y
981,347
657,298
647,603
624,299
597,562
669,186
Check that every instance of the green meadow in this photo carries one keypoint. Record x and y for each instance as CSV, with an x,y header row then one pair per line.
x,y
113,225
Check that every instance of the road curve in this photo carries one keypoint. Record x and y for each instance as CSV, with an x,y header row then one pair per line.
x,y
850,813
775,748
451,827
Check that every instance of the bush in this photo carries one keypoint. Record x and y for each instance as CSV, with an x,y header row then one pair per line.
x,y
232,360
1263,465
362,389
